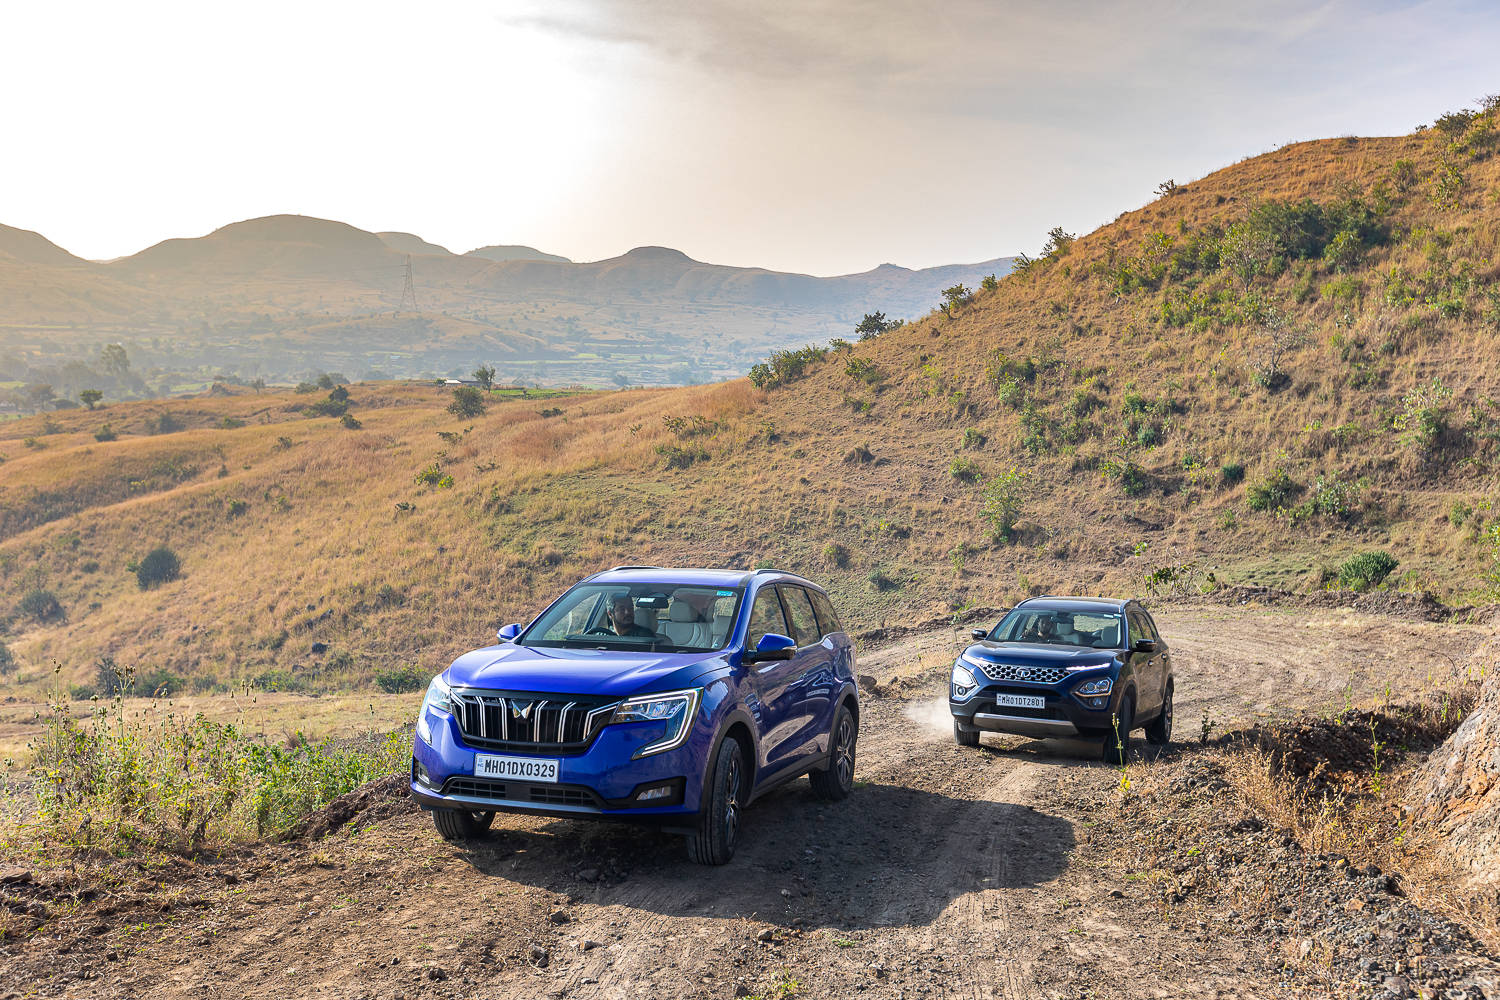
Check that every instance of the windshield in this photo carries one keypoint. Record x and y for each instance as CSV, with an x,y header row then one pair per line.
x,y
1089,629
657,617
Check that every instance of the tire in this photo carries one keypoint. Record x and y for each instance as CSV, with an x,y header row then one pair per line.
x,y
718,830
458,825
965,737
1116,749
1159,733
836,781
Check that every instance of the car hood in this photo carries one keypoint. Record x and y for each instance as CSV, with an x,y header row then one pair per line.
x,y
610,673
1041,654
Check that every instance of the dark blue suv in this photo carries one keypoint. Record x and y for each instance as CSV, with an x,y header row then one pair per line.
x,y
674,697
1066,667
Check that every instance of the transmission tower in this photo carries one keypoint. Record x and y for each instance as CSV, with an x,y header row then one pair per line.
x,y
408,290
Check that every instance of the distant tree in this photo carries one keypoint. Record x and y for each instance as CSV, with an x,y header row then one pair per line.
x,y
989,283
1247,250
38,395
467,402
955,297
1058,242
113,359
1167,187
873,325
485,376
90,397
259,385
159,566
325,381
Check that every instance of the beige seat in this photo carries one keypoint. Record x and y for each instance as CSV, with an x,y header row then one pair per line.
x,y
683,626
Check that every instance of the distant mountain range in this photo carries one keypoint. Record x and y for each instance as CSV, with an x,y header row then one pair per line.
x,y
281,296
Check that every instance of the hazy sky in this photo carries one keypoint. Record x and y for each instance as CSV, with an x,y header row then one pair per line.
x,y
825,136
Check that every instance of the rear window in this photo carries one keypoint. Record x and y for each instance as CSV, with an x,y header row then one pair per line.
x,y
828,620
804,622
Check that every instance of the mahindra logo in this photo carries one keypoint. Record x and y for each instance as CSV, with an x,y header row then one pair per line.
x,y
521,712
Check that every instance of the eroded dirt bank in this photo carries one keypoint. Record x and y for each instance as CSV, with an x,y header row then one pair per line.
x,y
995,872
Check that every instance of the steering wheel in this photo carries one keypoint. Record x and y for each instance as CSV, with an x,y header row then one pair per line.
x,y
600,630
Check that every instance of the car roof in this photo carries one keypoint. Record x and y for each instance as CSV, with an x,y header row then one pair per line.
x,y
1051,603
692,577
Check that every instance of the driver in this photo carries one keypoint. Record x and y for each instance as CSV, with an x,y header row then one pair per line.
x,y
622,617
1042,629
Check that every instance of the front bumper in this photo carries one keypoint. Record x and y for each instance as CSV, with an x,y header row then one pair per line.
x,y
1062,716
602,781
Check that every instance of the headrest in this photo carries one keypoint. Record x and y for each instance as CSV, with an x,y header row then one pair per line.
x,y
682,611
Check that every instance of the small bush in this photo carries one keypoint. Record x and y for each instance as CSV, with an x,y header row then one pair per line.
x,y
972,439
679,457
881,582
158,567
1273,492
41,605
1132,478
467,402
1233,473
400,680
105,433
1366,570
163,423
235,508
964,470
864,370
835,554
1004,498
350,422
433,476
7,661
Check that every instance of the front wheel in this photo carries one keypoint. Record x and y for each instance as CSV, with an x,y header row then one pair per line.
x,y
1117,740
459,825
837,780
965,737
1159,733
713,842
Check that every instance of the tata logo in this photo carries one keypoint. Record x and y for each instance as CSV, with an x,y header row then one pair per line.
x,y
1024,673
521,711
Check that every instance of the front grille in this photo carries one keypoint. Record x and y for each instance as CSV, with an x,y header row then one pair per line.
x,y
549,795
555,724
1022,672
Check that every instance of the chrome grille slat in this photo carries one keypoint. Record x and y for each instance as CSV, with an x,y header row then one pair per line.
x,y
493,721
1022,672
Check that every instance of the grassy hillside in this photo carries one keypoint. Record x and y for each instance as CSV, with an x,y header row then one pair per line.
x,y
1250,380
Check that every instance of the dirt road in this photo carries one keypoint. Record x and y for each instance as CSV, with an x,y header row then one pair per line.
x,y
949,872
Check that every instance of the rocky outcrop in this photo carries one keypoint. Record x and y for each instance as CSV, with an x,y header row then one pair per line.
x,y
1457,792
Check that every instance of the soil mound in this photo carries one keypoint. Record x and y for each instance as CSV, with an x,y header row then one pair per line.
x,y
1311,749
369,803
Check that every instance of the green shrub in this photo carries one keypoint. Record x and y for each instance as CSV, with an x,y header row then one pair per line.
x,y
1335,499
41,605
972,439
467,402
1132,478
1366,570
7,660
158,567
836,554
235,508
400,680
163,423
178,782
105,433
1233,473
883,582
1004,499
350,422
1275,491
1424,417
433,476
864,370
681,457
963,469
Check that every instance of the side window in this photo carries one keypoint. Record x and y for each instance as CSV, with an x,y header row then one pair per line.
x,y
765,616
1150,625
1138,630
828,621
800,610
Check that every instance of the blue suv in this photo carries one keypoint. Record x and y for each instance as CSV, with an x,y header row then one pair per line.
x,y
1066,667
674,697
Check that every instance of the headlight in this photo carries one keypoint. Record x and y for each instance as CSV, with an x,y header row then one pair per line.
x,y
437,697
675,708
963,682
974,664
1100,686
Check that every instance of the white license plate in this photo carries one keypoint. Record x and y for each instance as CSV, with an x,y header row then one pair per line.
x,y
487,765
1021,700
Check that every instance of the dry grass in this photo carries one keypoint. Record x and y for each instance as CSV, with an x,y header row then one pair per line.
x,y
338,544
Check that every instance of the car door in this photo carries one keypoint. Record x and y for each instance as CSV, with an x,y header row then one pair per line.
x,y
771,683
812,686
1163,660
1145,666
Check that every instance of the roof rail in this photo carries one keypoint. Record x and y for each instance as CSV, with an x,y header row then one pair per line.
x,y
769,569
613,568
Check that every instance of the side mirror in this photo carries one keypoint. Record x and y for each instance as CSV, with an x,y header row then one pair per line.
x,y
508,632
979,633
772,646
1145,646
